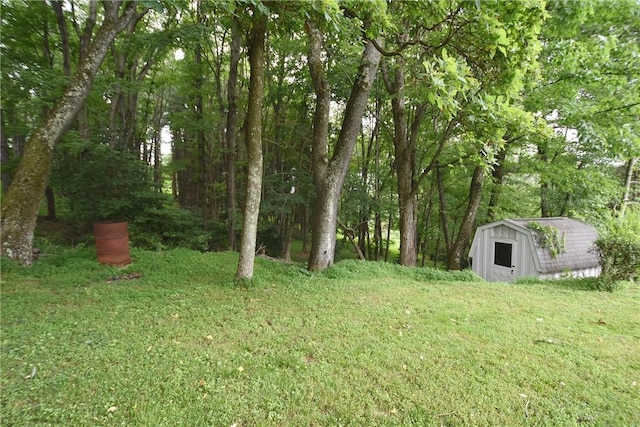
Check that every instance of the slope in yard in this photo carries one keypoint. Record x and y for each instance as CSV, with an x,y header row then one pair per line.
x,y
171,340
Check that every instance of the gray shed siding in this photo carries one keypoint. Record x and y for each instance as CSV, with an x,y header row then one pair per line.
x,y
527,257
482,257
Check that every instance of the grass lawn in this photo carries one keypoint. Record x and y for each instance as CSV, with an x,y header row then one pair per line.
x,y
170,340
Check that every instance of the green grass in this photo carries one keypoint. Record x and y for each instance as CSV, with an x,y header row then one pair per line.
x,y
171,340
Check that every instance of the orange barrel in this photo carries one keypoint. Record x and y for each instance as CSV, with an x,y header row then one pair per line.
x,y
112,243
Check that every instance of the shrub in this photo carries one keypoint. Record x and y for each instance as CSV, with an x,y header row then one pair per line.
x,y
619,250
219,235
103,184
168,226
100,183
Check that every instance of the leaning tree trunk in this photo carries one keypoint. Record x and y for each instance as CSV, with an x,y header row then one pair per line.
x,y
253,127
20,206
329,174
454,257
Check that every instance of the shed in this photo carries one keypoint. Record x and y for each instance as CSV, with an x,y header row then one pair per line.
x,y
505,250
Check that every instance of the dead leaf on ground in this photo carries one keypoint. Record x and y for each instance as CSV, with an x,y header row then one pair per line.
x,y
32,374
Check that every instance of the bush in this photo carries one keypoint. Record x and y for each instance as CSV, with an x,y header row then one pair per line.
x,y
168,227
219,235
619,250
103,184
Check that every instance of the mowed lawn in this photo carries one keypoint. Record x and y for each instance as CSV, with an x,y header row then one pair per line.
x,y
171,340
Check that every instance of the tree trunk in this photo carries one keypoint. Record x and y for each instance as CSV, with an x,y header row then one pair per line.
x,y
51,203
454,257
545,209
230,136
329,175
377,239
405,158
305,229
323,227
4,154
404,164
85,42
425,242
386,249
443,208
631,163
497,177
323,232
157,141
253,126
20,207
64,37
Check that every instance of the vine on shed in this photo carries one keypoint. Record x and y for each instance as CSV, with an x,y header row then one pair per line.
x,y
549,237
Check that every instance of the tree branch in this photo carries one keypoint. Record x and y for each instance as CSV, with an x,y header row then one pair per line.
x,y
623,107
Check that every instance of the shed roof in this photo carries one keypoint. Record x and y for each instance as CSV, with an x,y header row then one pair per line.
x,y
579,243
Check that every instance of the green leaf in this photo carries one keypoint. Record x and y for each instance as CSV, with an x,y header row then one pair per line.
x,y
502,37
262,8
432,98
155,5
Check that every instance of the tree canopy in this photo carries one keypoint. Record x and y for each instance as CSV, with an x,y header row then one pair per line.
x,y
246,124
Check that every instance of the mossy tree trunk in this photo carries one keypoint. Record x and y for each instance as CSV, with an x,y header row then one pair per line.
x,y
20,205
253,126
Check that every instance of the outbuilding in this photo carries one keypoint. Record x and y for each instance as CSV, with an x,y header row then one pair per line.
x,y
505,250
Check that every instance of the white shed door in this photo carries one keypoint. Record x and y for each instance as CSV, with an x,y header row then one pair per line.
x,y
503,265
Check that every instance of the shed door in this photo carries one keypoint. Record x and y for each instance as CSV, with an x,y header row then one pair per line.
x,y
503,265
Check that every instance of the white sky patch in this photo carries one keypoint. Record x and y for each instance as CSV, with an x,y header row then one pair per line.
x,y
178,55
570,134
165,140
